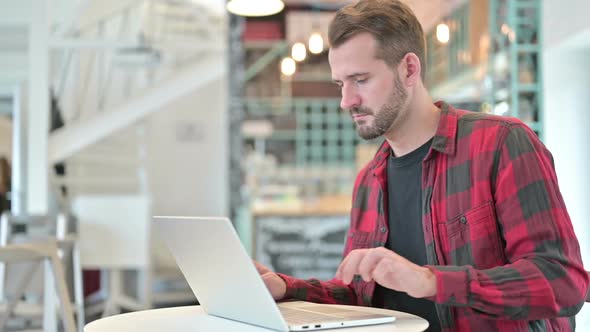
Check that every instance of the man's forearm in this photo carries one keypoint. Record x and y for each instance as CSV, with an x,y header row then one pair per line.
x,y
514,291
314,290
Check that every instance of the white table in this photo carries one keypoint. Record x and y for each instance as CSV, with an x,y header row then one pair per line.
x,y
193,318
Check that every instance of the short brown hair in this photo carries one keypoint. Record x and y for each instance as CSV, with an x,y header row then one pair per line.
x,y
392,24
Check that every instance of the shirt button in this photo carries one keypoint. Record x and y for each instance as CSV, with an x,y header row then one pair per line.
x,y
463,220
383,229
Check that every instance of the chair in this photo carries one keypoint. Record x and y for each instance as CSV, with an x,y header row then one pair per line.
x,y
123,222
45,252
62,245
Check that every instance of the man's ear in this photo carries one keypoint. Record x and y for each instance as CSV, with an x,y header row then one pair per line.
x,y
411,69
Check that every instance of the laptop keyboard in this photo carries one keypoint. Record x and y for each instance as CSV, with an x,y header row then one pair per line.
x,y
294,316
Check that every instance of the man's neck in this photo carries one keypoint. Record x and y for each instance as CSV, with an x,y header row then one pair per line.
x,y
420,126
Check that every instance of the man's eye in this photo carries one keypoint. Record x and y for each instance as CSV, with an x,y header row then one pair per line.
x,y
361,81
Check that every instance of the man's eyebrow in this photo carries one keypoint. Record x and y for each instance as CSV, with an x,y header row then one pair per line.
x,y
353,75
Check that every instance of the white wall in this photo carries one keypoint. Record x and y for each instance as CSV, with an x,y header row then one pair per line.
x,y
566,73
188,159
567,122
188,154
562,20
15,11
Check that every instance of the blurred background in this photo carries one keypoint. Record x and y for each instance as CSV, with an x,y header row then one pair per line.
x,y
112,111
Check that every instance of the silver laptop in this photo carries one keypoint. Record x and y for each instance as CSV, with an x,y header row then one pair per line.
x,y
226,283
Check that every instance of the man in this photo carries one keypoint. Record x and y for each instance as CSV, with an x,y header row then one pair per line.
x,y
5,183
458,218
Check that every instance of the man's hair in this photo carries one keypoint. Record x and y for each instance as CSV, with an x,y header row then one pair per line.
x,y
393,25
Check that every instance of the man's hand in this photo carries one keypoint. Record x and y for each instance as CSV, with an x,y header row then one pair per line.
x,y
389,270
275,284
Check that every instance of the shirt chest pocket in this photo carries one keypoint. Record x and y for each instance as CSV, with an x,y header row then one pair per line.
x,y
472,238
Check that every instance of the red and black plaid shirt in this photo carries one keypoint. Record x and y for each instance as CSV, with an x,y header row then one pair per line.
x,y
497,233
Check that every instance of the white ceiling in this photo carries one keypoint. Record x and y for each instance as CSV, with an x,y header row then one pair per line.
x,y
215,7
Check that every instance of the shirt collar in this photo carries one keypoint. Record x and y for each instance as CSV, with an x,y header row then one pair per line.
x,y
446,135
444,140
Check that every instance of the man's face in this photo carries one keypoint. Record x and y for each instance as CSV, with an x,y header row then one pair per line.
x,y
372,92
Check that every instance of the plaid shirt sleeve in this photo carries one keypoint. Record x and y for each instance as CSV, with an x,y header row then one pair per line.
x,y
314,290
319,291
544,276
334,291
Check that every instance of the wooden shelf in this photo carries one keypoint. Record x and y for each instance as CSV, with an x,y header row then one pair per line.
x,y
323,206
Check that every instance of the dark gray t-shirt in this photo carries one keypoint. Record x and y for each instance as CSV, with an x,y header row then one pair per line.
x,y
406,236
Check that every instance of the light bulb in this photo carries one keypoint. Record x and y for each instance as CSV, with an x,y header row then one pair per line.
x,y
255,7
316,43
288,66
443,33
298,52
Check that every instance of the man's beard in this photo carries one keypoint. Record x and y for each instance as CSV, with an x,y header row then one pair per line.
x,y
385,118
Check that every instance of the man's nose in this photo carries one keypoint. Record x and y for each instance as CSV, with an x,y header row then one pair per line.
x,y
349,99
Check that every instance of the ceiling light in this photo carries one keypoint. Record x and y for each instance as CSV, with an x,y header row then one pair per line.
x,y
255,7
316,43
298,52
443,33
288,66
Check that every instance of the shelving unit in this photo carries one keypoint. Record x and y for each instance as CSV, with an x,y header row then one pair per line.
x,y
446,61
498,65
319,132
515,27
